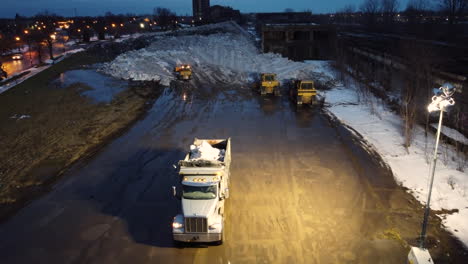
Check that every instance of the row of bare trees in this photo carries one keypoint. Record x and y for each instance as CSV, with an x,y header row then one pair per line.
x,y
453,9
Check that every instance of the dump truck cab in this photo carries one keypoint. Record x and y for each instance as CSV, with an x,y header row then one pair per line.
x,y
203,193
303,92
268,84
184,72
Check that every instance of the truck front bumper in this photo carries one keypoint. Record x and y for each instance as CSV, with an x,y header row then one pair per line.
x,y
198,237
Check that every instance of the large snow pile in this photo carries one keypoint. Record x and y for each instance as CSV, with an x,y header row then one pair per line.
x,y
411,168
227,52
206,152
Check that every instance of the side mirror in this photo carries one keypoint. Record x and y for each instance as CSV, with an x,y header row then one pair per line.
x,y
175,194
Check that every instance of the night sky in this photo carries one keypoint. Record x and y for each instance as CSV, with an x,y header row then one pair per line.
x,y
98,7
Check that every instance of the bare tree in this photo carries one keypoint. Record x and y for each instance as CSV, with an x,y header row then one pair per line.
x,y
370,8
164,17
348,9
288,10
453,9
47,31
418,5
389,8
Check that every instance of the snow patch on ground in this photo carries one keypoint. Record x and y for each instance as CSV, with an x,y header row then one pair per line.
x,y
411,168
452,133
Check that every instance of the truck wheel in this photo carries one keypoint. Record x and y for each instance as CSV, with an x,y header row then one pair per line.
x,y
220,242
277,91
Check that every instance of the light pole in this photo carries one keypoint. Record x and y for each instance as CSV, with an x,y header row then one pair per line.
x,y
440,101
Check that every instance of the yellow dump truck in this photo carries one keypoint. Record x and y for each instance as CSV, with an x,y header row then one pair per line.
x,y
303,92
184,72
268,84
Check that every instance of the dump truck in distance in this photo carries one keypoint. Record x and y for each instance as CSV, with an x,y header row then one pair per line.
x,y
204,177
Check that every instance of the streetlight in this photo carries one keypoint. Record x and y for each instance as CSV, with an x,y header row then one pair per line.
x,y
18,43
440,101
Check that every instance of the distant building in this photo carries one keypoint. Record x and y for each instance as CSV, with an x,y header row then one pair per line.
x,y
299,41
201,9
223,13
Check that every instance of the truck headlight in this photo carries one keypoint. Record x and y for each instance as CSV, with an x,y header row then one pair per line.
x,y
177,225
215,226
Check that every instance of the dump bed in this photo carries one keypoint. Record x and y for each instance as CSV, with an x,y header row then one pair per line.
x,y
222,162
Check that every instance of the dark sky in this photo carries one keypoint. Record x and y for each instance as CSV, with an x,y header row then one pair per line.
x,y
98,7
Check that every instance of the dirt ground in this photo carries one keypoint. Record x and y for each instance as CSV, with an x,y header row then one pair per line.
x,y
44,128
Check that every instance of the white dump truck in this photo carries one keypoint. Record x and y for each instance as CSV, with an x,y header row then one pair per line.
x,y
204,175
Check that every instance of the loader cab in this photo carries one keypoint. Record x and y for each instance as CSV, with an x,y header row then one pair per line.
x,y
268,77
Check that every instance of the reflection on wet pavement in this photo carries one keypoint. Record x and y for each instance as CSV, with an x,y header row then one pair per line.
x,y
103,88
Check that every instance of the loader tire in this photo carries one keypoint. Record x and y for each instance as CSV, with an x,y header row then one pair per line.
x,y
277,92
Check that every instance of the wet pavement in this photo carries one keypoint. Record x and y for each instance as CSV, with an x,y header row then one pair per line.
x,y
30,59
303,190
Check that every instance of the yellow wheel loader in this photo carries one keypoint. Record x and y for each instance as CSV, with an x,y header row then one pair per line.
x,y
184,72
303,92
268,84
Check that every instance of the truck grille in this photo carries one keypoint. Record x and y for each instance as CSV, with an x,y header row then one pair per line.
x,y
196,225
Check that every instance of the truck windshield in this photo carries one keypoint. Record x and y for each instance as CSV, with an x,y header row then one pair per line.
x,y
269,78
199,192
307,86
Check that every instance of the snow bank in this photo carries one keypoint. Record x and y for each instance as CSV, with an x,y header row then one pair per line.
x,y
383,129
228,52
205,152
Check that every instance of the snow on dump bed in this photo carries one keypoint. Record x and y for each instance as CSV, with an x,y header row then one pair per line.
x,y
206,152
231,51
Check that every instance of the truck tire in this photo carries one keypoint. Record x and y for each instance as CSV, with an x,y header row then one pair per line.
x,y
299,100
277,91
220,242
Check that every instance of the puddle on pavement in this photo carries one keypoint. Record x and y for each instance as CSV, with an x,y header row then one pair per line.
x,y
103,87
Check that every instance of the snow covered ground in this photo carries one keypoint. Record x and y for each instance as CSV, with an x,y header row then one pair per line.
x,y
383,130
232,51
